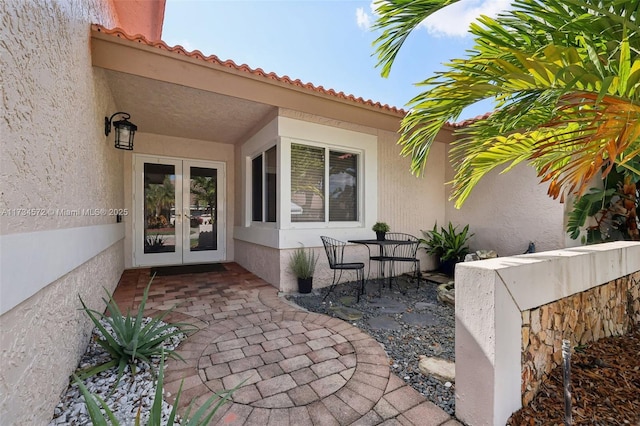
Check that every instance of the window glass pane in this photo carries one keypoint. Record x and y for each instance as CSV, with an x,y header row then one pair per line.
x,y
271,164
256,189
307,183
343,189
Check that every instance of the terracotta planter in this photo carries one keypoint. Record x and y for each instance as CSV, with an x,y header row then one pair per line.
x,y
305,285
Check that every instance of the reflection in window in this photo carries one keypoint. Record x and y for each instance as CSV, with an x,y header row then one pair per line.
x,y
264,180
159,205
204,209
310,171
343,190
307,183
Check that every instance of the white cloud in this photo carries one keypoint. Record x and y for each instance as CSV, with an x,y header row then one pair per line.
x,y
454,20
363,19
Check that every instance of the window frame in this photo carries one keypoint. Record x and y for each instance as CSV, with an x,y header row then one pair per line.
x,y
328,147
264,196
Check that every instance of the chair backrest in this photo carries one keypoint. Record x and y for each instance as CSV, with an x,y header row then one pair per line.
x,y
404,250
334,249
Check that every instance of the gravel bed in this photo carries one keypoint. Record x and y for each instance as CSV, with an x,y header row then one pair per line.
x,y
132,393
407,306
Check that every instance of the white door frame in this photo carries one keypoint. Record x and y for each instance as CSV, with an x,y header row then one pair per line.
x,y
182,254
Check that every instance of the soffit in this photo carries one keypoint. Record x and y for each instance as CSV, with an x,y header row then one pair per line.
x,y
116,51
170,109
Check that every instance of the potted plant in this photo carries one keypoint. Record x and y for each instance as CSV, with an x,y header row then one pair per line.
x,y
303,264
448,245
380,229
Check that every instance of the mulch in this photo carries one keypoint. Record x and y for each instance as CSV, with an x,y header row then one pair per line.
x,y
605,386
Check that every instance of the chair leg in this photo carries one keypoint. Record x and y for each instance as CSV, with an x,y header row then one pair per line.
x,y
333,284
360,274
417,272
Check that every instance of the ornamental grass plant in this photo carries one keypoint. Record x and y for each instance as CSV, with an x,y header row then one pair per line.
x,y
303,263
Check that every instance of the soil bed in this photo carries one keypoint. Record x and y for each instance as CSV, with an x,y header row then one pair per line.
x,y
605,381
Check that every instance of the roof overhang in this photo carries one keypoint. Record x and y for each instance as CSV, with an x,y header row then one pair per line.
x,y
143,75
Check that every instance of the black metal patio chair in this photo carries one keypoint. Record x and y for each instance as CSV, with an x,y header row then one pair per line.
x,y
335,256
404,253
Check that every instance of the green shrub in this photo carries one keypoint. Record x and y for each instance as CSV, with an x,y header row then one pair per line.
x,y
380,227
447,244
133,338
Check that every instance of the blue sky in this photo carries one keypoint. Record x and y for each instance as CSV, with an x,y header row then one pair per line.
x,y
325,42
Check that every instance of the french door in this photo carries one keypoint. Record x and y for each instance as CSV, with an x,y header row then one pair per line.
x,y
179,211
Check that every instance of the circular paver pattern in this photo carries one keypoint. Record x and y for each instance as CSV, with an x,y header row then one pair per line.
x,y
283,364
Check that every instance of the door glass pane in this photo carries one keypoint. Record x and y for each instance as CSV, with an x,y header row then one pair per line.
x,y
159,208
307,183
203,223
343,189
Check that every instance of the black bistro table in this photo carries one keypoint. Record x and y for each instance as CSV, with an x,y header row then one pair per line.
x,y
385,254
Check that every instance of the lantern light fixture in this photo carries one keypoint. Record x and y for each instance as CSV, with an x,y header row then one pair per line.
x,y
124,130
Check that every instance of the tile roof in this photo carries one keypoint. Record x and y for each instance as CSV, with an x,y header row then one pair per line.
x,y
469,121
117,32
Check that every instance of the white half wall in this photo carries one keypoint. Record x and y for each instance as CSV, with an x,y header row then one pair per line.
x,y
30,261
490,296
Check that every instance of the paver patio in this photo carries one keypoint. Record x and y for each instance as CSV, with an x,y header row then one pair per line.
x,y
300,368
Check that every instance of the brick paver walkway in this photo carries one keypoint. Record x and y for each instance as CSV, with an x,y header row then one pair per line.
x,y
300,368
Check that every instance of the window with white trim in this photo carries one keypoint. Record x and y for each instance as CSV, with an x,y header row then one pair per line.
x,y
264,181
324,184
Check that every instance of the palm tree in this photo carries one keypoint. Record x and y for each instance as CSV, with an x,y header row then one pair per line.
x,y
565,79
159,197
204,189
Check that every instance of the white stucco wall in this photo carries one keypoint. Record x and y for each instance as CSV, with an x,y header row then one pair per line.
x,y
507,211
53,156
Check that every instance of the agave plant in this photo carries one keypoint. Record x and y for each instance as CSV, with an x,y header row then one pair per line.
x,y
201,417
133,338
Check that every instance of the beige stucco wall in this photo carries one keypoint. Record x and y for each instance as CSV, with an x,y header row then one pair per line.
x,y
43,338
406,202
507,211
168,146
53,155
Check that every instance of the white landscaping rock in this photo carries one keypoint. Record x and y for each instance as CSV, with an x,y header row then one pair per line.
x,y
438,367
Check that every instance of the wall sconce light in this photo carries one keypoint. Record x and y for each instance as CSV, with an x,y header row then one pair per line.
x,y
124,130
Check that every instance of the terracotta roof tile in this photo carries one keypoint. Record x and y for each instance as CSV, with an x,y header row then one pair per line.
x,y
117,32
468,121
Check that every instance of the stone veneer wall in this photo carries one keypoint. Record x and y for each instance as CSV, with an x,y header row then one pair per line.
x,y
608,310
